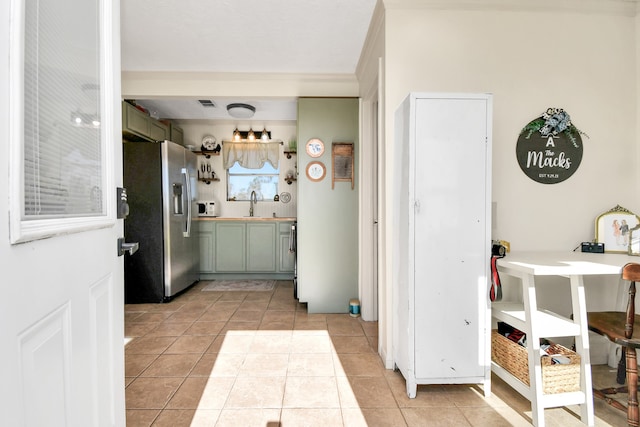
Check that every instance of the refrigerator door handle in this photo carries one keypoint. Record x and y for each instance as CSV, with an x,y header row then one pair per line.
x,y
187,178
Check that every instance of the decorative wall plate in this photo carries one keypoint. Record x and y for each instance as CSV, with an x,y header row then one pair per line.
x,y
316,171
315,147
285,197
208,143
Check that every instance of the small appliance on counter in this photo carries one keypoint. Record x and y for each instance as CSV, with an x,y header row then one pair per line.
x,y
206,208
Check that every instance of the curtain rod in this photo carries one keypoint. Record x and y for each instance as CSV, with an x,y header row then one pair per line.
x,y
257,141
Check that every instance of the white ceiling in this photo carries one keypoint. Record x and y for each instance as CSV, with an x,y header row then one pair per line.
x,y
270,36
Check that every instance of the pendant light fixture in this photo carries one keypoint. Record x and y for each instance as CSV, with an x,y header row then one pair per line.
x,y
251,136
264,136
236,135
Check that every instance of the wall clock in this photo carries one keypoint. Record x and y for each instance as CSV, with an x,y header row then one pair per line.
x,y
316,171
315,147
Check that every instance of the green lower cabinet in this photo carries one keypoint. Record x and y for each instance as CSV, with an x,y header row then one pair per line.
x,y
245,249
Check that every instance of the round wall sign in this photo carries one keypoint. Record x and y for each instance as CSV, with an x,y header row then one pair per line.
x,y
546,154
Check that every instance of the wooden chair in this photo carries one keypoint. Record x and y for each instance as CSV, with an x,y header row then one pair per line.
x,y
617,326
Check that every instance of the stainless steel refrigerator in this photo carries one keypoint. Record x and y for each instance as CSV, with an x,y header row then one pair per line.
x,y
160,179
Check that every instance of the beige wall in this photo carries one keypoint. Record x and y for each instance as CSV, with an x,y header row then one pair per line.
x,y
530,61
530,58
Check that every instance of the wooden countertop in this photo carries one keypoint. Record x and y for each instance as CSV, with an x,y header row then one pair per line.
x,y
246,218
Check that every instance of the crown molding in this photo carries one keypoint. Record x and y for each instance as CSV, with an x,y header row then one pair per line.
x,y
140,84
614,7
374,33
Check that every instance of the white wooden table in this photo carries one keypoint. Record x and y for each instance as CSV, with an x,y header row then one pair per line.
x,y
538,323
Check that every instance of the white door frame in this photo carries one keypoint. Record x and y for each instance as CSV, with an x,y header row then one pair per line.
x,y
368,224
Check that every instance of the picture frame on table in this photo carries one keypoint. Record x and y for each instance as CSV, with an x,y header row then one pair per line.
x,y
634,241
613,228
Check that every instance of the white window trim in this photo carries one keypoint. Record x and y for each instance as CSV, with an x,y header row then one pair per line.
x,y
25,231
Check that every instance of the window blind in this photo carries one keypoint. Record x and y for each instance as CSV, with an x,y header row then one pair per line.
x,y
62,151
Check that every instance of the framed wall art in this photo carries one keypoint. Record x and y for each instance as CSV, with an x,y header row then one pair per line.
x,y
613,228
342,163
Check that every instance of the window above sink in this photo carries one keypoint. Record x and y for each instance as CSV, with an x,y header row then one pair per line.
x,y
242,181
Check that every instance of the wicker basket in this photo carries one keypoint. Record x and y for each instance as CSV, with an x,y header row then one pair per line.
x,y
556,378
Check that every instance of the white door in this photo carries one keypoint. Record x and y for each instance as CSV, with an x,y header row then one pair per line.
x,y
61,306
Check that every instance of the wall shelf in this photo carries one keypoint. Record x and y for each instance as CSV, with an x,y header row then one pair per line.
x,y
289,153
290,180
207,154
209,180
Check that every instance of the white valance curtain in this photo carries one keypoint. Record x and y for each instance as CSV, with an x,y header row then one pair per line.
x,y
250,155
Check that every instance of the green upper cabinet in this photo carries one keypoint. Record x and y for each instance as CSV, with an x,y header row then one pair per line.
x,y
158,131
176,134
138,126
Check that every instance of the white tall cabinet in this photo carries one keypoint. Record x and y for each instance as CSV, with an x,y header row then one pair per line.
x,y
442,239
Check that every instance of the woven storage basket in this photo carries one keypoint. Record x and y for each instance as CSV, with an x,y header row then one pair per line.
x,y
555,378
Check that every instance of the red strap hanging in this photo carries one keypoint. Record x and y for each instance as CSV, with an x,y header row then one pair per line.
x,y
495,293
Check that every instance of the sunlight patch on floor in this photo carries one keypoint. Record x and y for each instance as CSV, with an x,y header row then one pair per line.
x,y
262,376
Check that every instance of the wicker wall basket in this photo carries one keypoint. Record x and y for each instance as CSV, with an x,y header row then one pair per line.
x,y
556,378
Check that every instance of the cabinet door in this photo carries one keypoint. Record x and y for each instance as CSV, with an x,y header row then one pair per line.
x,y
230,247
158,131
261,247
134,121
286,258
177,134
207,247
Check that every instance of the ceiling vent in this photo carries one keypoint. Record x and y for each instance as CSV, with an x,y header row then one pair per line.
x,y
207,103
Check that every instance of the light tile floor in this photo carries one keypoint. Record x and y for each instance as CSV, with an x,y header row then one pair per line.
x,y
259,359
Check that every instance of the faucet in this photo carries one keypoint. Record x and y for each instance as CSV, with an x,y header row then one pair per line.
x,y
252,201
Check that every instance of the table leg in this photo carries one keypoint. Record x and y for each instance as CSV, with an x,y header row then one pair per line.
x,y
579,307
533,346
